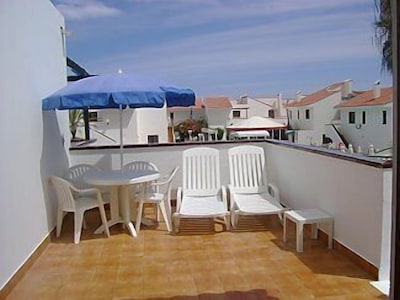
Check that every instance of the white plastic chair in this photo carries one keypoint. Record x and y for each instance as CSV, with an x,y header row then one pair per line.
x,y
71,199
135,193
202,195
250,193
162,201
75,175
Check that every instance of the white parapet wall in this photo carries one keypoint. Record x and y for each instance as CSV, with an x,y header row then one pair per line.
x,y
349,190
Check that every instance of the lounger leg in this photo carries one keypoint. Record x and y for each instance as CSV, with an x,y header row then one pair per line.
x,y
227,222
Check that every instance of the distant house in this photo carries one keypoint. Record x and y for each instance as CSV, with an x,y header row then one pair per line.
x,y
217,110
178,114
309,115
366,119
268,107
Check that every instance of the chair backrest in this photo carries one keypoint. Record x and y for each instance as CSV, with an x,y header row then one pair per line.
x,y
247,169
201,172
64,193
75,175
139,165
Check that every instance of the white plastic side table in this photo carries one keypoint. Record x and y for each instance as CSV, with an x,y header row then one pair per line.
x,y
307,216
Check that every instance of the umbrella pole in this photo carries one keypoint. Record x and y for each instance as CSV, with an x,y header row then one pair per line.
x,y
121,142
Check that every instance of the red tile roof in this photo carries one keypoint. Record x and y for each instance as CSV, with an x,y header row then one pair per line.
x,y
317,96
217,102
367,99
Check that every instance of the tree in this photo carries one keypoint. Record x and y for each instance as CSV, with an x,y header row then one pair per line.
x,y
383,32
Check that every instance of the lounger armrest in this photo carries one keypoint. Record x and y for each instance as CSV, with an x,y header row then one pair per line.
x,y
231,199
274,191
178,198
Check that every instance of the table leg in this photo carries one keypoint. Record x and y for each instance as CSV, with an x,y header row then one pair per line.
x,y
114,209
284,228
314,231
125,210
299,236
330,234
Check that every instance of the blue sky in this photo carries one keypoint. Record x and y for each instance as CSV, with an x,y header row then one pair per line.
x,y
228,47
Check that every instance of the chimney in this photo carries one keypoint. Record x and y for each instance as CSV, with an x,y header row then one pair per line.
x,y
377,89
347,88
279,105
298,96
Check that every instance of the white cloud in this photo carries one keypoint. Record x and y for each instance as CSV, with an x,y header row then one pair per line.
x,y
80,10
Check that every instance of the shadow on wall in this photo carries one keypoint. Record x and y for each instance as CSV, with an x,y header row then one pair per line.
x,y
54,161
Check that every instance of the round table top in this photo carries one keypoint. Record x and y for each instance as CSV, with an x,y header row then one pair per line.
x,y
118,177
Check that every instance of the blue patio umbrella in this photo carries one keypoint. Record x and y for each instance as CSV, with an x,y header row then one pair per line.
x,y
118,91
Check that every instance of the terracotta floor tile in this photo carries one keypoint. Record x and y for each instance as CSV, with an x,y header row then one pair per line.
x,y
200,262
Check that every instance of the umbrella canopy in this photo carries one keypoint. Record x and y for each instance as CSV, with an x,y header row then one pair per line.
x,y
118,90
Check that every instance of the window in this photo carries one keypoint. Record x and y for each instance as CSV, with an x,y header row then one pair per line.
x,y
298,115
93,116
290,115
384,117
307,114
364,117
352,117
152,139
236,113
271,113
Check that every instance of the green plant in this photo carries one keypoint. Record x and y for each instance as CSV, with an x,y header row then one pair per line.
x,y
190,124
75,121
220,133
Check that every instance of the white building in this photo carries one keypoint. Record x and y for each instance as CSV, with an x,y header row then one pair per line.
x,y
217,110
309,115
268,107
36,143
366,119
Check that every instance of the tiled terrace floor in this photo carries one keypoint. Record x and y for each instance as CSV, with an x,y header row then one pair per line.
x,y
195,264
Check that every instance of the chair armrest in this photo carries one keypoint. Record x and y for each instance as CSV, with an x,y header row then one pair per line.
x,y
88,192
274,191
178,198
224,196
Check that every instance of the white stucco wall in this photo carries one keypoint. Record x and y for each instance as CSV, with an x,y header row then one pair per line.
x,y
217,117
152,121
373,132
351,192
137,124
33,66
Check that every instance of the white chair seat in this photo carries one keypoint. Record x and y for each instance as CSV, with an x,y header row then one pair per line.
x,y
250,192
202,207
257,204
86,203
202,195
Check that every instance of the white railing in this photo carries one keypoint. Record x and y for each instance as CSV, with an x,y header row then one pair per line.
x,y
353,192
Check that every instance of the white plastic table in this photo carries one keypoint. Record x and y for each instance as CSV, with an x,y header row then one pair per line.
x,y
119,183
307,216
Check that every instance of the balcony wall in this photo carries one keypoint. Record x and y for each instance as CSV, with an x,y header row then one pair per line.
x,y
352,190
